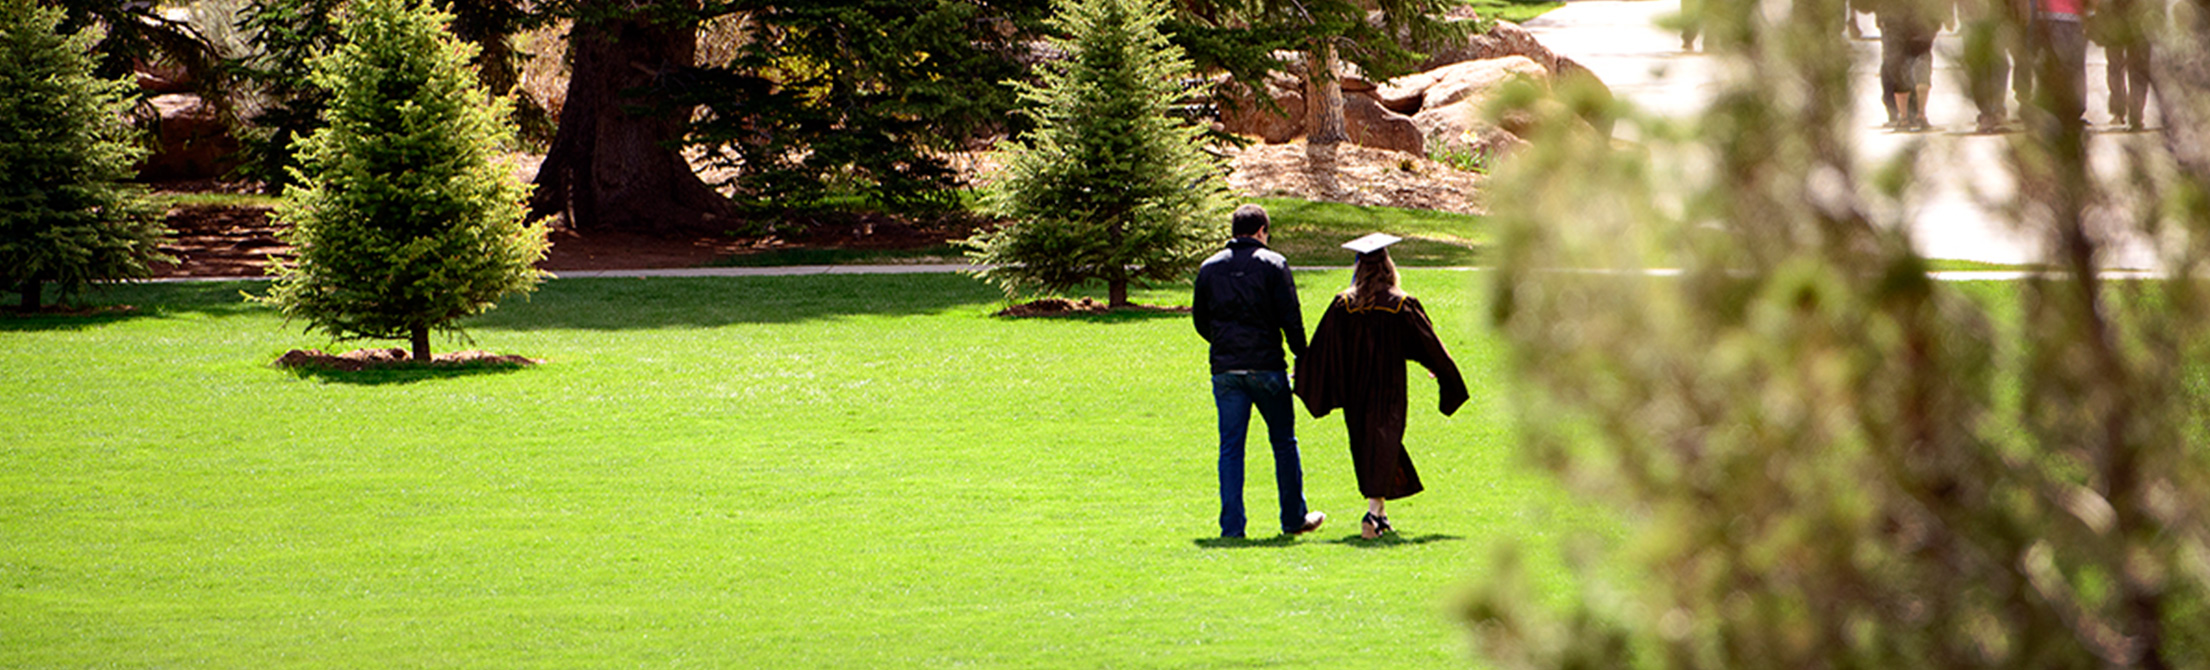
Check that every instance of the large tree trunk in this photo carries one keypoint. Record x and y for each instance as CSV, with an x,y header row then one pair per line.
x,y
615,162
1324,107
31,289
419,337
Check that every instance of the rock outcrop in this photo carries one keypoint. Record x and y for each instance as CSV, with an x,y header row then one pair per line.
x,y
1440,106
194,141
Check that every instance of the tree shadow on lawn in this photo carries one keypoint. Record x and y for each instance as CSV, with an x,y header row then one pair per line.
x,y
402,373
607,304
115,303
704,302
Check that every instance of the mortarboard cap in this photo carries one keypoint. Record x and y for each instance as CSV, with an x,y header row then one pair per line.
x,y
1371,243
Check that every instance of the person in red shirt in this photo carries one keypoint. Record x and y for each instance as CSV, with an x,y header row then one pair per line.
x,y
2060,41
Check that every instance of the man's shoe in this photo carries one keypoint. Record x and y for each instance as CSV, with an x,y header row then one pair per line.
x,y
1312,523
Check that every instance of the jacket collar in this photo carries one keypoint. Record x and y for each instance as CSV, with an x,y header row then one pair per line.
x,y
1241,243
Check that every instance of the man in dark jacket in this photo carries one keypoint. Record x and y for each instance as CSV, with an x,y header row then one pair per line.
x,y
1246,306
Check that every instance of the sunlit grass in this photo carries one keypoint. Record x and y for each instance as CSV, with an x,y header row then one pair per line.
x,y
1311,233
181,199
1516,11
827,471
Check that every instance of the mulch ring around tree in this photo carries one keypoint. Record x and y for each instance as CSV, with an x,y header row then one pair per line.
x,y
371,359
1048,307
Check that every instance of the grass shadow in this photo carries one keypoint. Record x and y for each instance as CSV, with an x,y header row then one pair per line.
x,y
604,304
1395,540
613,304
1276,541
109,304
939,253
73,319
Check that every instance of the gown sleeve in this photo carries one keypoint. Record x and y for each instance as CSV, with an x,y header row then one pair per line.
x,y
1428,350
1320,376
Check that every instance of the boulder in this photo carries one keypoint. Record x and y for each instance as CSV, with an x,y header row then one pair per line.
x,y
1244,115
1476,80
195,144
1440,105
1507,39
1369,124
1504,39
163,77
1450,101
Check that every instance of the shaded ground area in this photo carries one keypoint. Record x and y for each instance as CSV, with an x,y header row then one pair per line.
x,y
219,241
235,241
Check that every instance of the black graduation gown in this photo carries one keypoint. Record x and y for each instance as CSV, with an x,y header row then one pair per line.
x,y
1356,362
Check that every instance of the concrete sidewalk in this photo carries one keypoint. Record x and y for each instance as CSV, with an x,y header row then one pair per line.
x,y
1962,173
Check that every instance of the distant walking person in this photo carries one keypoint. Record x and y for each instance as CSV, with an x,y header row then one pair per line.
x,y
1357,363
2122,27
1246,306
1907,29
2060,62
1995,55
1692,22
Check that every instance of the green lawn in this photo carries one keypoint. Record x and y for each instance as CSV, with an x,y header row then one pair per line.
x,y
1516,11
1311,233
797,472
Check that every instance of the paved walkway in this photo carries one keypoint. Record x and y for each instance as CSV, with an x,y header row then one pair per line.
x,y
1619,41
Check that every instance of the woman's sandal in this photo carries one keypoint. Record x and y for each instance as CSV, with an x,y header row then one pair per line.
x,y
1371,526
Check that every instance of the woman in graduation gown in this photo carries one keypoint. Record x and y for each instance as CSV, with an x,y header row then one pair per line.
x,y
1356,362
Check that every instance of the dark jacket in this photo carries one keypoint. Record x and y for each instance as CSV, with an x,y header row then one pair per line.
x,y
1246,306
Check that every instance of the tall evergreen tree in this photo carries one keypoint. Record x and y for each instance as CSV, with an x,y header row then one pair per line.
x,y
405,222
65,215
286,104
1108,187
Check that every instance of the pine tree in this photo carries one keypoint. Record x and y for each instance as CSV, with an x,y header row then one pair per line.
x,y
405,223
65,215
1108,187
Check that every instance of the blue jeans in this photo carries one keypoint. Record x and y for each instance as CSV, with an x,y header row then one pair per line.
x,y
1235,393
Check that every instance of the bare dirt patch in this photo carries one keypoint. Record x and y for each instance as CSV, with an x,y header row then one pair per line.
x,y
1354,175
368,359
213,241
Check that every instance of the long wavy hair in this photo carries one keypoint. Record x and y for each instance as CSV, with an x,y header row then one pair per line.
x,y
1373,281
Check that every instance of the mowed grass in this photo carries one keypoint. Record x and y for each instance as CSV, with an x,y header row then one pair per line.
x,y
794,472
1311,233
